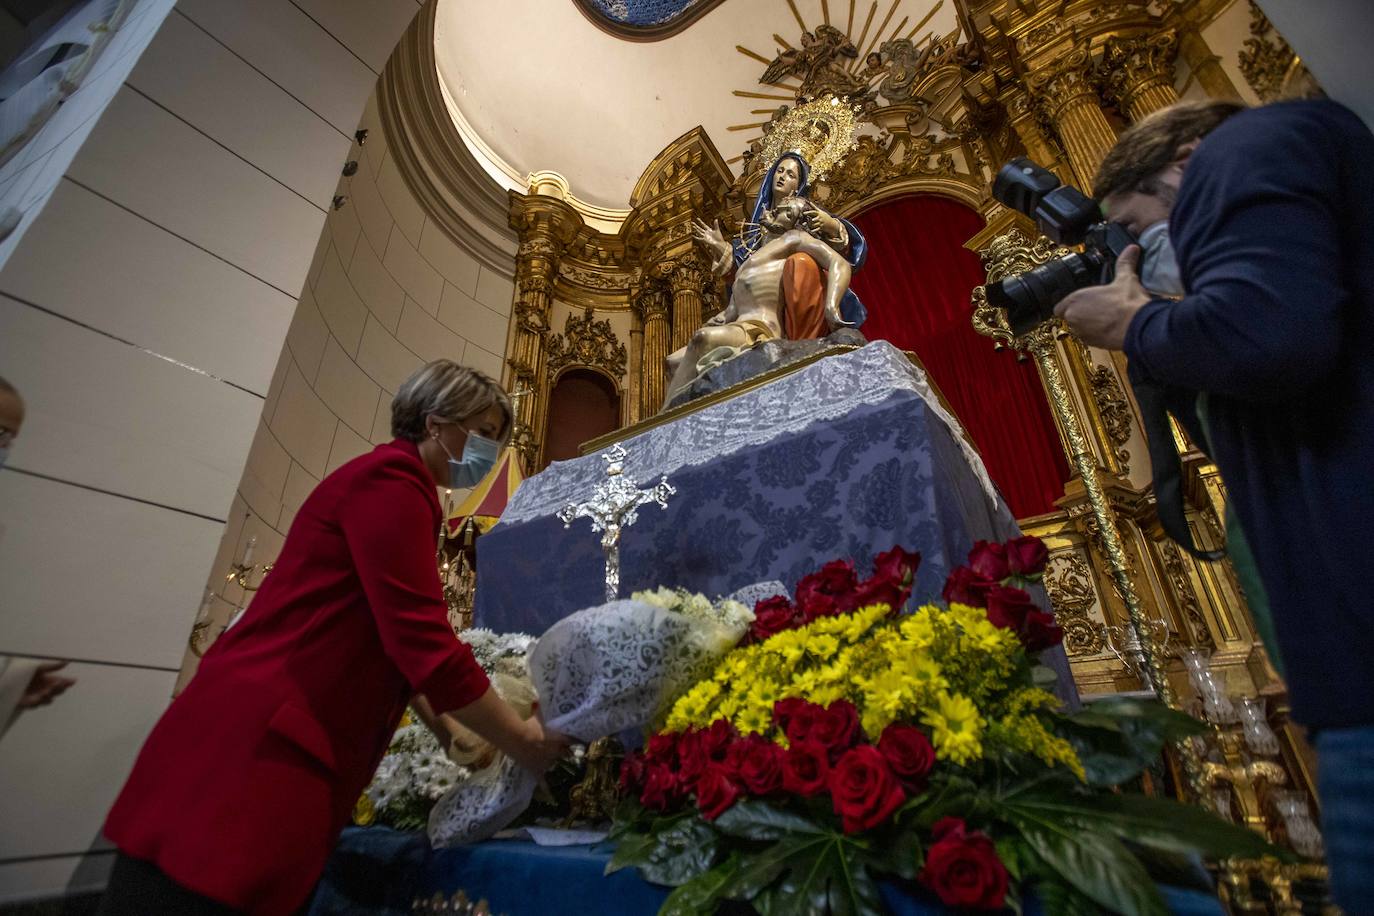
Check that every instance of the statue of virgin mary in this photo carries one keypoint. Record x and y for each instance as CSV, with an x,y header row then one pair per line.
x,y
792,267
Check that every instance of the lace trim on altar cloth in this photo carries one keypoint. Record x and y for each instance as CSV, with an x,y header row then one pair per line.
x,y
825,390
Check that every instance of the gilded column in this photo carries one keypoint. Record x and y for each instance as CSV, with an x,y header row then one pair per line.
x,y
635,382
686,279
1025,122
545,225
1138,73
652,305
1205,64
1066,92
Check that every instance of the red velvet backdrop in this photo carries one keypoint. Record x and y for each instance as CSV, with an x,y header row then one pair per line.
x,y
916,285
583,405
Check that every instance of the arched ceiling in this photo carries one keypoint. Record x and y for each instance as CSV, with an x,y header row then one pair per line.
x,y
535,86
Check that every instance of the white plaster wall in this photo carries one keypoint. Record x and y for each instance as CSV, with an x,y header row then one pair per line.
x,y
173,208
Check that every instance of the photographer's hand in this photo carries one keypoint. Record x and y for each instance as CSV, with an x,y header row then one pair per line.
x,y
1100,315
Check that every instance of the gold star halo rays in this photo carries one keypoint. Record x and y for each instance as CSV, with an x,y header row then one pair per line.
x,y
789,85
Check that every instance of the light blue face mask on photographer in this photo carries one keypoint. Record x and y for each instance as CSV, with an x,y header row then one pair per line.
x,y
1159,272
479,457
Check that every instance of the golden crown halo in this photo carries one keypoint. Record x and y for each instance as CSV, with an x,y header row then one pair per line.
x,y
821,130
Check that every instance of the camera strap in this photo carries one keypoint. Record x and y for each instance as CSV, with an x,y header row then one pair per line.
x,y
1155,407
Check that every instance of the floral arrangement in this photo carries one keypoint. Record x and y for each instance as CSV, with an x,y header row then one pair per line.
x,y
844,740
416,772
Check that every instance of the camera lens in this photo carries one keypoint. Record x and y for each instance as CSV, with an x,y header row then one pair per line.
x,y
1030,298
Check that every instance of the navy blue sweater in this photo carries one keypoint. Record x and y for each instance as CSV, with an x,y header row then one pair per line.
x,y
1274,232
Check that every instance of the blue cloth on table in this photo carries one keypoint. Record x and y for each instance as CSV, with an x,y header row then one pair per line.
x,y
519,878
845,457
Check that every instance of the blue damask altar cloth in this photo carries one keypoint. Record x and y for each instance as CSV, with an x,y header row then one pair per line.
x,y
377,872
843,458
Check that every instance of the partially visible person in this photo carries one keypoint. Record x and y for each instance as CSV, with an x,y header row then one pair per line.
x,y
24,683
27,683
243,787
1262,220
11,418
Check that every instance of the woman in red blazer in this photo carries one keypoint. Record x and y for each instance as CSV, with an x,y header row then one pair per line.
x,y
243,786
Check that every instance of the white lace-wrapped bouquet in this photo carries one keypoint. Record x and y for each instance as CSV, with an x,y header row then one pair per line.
x,y
598,672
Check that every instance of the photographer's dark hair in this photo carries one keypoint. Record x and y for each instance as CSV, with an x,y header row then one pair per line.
x,y
1146,148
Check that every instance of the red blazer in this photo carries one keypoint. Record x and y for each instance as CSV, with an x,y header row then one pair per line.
x,y
242,788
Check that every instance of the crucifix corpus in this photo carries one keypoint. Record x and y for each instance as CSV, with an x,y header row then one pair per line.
x,y
613,507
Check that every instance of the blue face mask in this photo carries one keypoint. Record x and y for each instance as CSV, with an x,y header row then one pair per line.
x,y
1159,271
479,457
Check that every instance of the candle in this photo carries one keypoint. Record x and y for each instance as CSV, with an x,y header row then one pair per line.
x,y
248,552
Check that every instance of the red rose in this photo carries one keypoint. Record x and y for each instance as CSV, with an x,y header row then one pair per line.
x,y
757,763
692,755
1027,556
863,789
716,791
631,773
967,587
962,868
772,616
715,739
836,727
989,561
896,565
827,591
881,591
662,747
661,789
1039,631
805,768
909,752
1008,607
796,718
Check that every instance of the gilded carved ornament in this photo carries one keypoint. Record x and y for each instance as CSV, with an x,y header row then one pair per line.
x,y
1069,582
1114,409
1128,64
1269,65
586,342
1007,255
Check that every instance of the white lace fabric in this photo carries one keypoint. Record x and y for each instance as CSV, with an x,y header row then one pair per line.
x,y
598,672
825,390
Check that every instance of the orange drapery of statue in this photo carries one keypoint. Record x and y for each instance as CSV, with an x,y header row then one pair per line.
x,y
803,292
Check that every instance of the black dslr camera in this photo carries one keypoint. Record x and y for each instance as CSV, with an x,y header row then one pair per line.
x,y
1067,216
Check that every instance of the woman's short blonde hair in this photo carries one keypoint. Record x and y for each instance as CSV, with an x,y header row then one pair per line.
x,y
448,391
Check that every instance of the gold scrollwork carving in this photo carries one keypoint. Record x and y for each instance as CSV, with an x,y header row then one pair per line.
x,y
586,342
1007,255
1114,410
1187,596
1269,64
1069,582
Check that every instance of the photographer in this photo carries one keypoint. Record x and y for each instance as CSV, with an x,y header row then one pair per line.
x,y
1267,332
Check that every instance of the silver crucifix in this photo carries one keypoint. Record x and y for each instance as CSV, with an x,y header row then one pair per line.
x,y
613,507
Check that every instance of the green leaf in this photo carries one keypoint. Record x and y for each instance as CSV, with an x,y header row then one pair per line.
x,y
1118,738
1059,899
1157,822
682,850
821,873
902,854
702,895
631,849
759,820
1096,864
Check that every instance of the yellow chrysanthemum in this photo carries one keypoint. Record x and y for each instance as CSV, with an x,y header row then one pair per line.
x,y
822,646
956,728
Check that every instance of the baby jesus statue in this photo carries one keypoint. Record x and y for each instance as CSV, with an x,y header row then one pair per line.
x,y
793,265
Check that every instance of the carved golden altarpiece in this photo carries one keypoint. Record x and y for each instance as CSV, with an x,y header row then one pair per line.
x,y
1055,80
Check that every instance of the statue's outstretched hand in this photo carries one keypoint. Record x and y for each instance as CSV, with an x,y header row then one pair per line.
x,y
712,238
822,225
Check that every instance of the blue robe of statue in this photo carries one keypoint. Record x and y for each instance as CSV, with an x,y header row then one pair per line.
x,y
851,309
